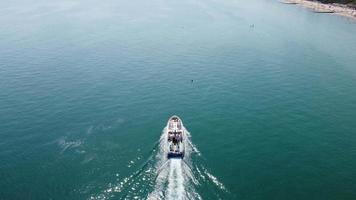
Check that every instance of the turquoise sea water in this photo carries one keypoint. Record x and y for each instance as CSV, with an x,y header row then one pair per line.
x,y
86,88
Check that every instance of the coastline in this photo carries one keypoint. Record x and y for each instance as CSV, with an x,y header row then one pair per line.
x,y
319,7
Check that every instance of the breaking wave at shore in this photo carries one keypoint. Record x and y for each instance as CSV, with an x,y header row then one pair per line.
x,y
163,178
320,7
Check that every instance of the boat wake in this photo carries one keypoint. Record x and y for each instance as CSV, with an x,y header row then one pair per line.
x,y
174,176
163,178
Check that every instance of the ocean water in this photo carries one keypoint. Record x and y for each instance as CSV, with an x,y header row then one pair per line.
x,y
87,87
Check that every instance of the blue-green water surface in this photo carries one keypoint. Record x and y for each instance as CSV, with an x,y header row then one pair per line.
x,y
87,86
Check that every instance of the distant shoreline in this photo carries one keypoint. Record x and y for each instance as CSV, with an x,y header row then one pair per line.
x,y
318,7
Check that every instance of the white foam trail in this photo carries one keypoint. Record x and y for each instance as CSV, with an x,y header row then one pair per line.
x,y
174,175
175,189
163,178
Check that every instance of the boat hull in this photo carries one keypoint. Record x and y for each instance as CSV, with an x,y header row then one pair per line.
x,y
175,136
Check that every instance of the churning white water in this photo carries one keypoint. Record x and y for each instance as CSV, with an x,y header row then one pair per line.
x,y
174,176
165,179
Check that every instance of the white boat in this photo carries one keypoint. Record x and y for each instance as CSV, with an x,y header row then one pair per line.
x,y
176,137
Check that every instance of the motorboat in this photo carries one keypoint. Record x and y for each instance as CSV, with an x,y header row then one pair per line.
x,y
176,137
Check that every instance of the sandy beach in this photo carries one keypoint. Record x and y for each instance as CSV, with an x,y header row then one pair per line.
x,y
318,7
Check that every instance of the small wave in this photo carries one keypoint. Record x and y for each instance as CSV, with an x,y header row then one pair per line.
x,y
215,180
65,145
